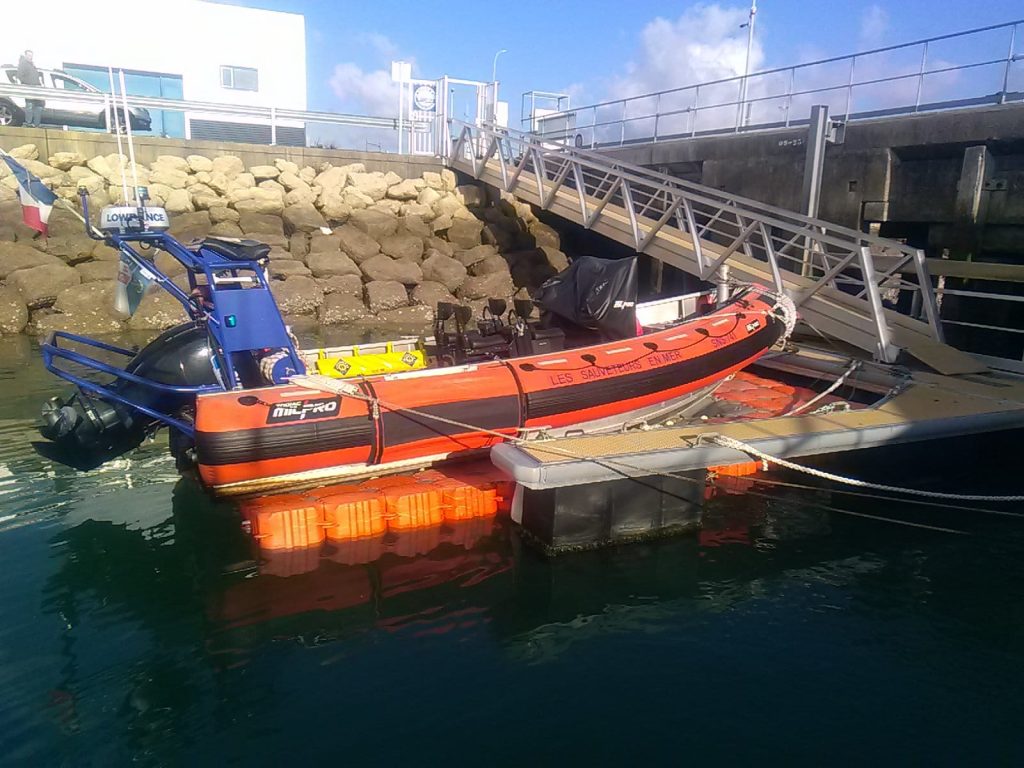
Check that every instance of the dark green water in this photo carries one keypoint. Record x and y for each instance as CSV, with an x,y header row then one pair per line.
x,y
135,629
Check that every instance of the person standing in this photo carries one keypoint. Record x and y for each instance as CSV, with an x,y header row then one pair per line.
x,y
28,74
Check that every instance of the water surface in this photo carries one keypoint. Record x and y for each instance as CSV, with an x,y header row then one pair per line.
x,y
137,626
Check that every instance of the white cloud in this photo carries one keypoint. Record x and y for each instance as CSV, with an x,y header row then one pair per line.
x,y
382,44
366,92
874,23
706,43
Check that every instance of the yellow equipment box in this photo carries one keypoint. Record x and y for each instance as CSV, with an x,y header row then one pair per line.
x,y
371,359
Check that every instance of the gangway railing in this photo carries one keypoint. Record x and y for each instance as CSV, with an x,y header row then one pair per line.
x,y
976,67
828,270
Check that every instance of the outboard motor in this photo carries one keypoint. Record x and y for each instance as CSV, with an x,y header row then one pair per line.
x,y
88,430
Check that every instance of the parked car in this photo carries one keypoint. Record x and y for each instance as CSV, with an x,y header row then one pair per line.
x,y
60,110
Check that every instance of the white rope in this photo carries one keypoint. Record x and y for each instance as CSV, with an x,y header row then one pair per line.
x,y
739,445
855,365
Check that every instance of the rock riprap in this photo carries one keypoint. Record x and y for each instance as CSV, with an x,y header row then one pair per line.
x,y
348,244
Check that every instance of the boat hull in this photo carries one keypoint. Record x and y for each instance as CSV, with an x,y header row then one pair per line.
x,y
283,435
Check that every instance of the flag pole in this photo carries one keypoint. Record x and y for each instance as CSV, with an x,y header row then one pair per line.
x,y
131,144
64,203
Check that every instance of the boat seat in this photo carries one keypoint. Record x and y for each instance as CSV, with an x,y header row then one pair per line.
x,y
235,249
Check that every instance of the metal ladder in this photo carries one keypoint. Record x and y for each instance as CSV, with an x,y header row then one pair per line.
x,y
846,284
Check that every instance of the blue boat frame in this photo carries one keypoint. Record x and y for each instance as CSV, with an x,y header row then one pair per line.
x,y
237,319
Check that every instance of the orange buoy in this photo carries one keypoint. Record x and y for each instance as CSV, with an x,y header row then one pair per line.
x,y
354,515
288,521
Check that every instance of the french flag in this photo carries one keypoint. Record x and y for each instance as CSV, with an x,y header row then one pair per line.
x,y
36,199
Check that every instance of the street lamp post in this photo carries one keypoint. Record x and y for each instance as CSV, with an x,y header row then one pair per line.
x,y
494,68
746,66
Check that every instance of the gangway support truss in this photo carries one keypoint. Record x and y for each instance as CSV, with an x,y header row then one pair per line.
x,y
829,271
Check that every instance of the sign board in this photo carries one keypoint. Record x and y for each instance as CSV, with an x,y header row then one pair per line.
x,y
424,98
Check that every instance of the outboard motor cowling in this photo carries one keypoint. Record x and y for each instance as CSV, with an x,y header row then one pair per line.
x,y
91,429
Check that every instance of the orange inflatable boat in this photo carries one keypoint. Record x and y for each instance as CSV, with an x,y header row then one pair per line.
x,y
495,389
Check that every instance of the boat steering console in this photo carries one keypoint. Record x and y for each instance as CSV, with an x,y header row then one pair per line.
x,y
499,334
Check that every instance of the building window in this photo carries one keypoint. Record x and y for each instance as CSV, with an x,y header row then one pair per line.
x,y
239,78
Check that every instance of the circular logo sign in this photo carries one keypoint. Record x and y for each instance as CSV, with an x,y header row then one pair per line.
x,y
424,98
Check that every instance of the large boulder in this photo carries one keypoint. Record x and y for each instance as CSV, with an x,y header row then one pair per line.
x,y
190,226
94,324
392,207
336,263
297,295
381,267
334,207
256,200
405,190
372,184
403,247
39,286
221,213
341,307
432,180
299,195
377,224
350,284
494,285
417,316
204,197
303,217
94,300
470,195
471,256
332,178
65,161
157,310
440,244
445,270
15,256
173,162
298,245
93,271
71,249
544,235
229,165
489,266
290,181
261,172
226,229
287,268
415,218
465,233
25,152
356,243
286,166
260,223
430,293
13,311
180,201
382,295
169,177
199,164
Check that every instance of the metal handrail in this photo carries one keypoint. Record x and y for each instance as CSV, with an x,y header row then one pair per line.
x,y
803,254
603,131
272,115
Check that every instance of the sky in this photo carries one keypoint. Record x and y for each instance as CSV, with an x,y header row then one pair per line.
x,y
599,49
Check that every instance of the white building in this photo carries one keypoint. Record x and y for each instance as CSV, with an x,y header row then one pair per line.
x,y
181,49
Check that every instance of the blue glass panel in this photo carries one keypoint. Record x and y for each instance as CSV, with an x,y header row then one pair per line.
x,y
165,122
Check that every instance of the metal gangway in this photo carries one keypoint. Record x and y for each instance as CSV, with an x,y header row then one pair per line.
x,y
847,285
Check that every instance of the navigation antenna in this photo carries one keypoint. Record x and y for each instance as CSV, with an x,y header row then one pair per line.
x,y
117,132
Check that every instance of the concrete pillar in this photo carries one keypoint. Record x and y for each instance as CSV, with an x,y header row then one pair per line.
x,y
973,175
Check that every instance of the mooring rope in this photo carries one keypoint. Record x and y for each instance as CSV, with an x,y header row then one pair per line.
x,y
739,445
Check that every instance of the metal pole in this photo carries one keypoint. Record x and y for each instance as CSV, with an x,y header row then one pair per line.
x,y
131,142
657,114
622,125
789,93
1009,61
494,68
849,89
746,65
814,164
693,118
887,353
273,126
401,109
920,76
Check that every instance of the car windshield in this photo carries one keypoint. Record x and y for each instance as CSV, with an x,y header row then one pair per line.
x,y
59,81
